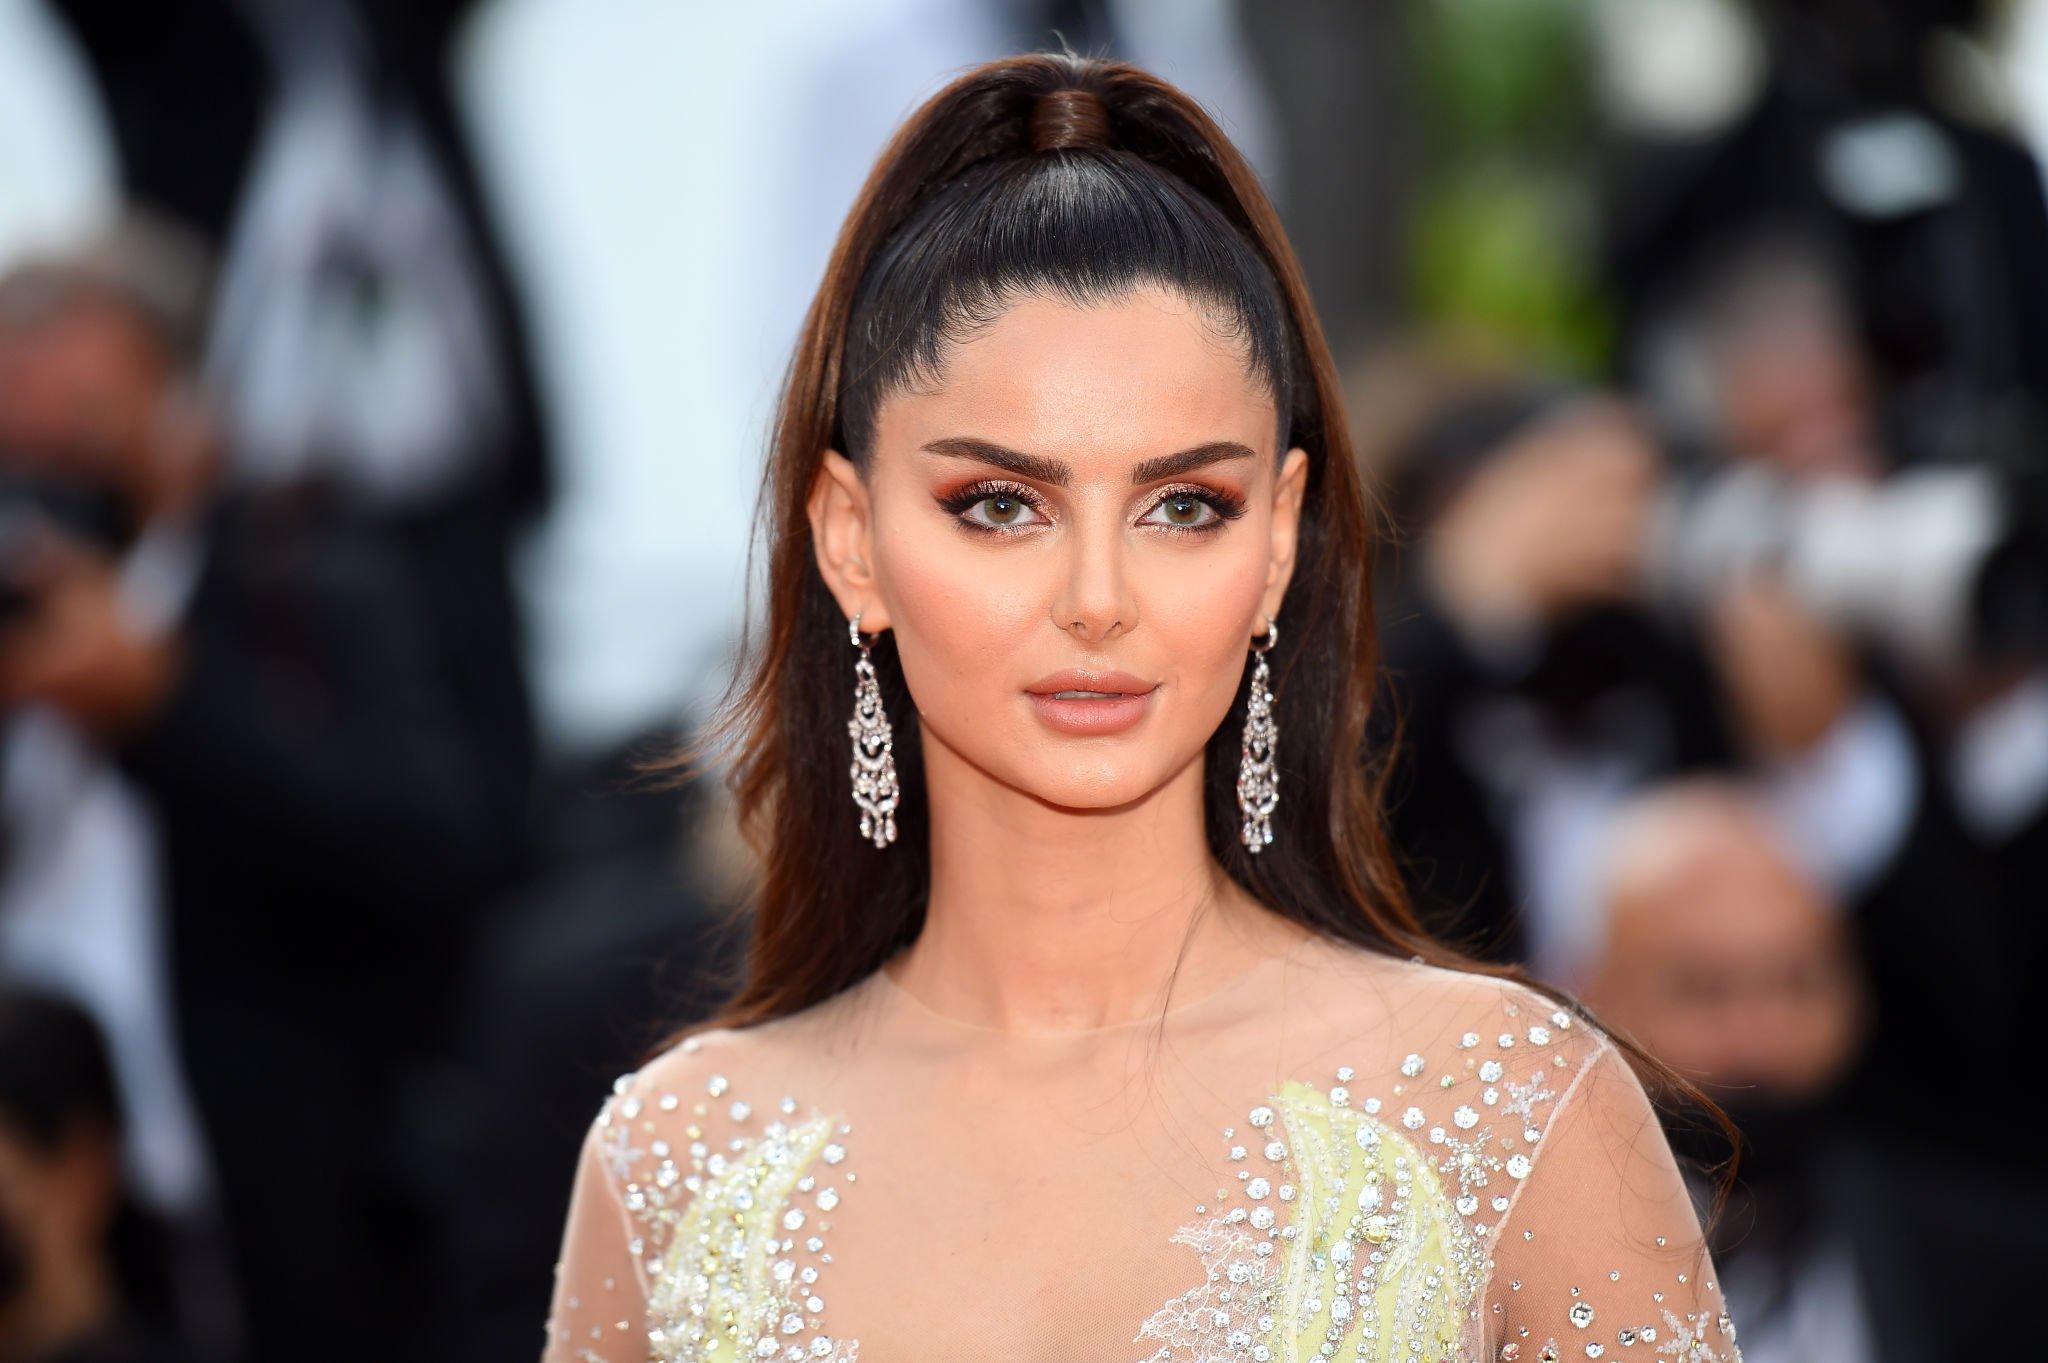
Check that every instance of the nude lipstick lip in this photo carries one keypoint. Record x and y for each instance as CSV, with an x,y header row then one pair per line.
x,y
1077,701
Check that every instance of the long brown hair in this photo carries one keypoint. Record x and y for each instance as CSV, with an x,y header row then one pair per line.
x,y
1081,175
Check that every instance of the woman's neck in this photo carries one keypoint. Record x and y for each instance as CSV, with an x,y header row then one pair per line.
x,y
1044,919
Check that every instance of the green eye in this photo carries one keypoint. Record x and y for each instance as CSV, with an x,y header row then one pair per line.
x,y
1184,511
997,508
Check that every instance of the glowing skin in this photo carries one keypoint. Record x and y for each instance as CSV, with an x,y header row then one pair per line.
x,y
1068,848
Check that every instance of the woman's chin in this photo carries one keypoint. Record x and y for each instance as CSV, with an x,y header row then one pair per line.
x,y
1081,775
1095,790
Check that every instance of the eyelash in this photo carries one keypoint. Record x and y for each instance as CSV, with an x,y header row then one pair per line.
x,y
1227,507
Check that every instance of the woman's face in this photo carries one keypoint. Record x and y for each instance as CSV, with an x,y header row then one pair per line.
x,y
1075,537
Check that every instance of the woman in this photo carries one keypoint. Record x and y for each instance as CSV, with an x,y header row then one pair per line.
x,y
1087,1019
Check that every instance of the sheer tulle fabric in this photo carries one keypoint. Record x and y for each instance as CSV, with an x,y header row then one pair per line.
x,y
1335,1156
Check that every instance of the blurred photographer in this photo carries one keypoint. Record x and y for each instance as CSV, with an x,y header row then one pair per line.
x,y
1722,956
235,737
1564,634
1836,309
1532,682
104,470
1878,619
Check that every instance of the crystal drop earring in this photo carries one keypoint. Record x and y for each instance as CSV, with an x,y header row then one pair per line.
x,y
1258,777
875,791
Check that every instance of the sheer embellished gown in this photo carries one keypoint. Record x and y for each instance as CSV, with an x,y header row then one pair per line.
x,y
1336,1155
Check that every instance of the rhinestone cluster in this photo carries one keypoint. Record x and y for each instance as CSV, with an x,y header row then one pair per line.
x,y
733,1233
1361,1225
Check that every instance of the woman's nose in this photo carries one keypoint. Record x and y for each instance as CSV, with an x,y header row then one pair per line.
x,y
1095,602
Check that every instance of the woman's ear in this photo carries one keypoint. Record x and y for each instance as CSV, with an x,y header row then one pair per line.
x,y
1288,491
842,534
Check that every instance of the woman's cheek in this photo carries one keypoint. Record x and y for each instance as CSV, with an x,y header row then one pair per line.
x,y
948,606
1201,609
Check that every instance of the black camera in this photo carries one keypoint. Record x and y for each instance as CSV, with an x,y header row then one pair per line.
x,y
30,505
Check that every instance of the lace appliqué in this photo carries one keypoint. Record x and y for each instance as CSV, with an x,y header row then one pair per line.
x,y
1688,1342
1220,1318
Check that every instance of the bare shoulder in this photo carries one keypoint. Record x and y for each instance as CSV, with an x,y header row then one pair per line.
x,y
689,1063
726,1068
1432,1008
695,1107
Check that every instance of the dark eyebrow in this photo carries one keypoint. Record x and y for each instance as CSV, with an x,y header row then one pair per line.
x,y
1060,474
1173,465
1034,466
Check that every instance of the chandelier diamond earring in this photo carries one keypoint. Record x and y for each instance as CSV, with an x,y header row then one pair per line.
x,y
1258,777
875,791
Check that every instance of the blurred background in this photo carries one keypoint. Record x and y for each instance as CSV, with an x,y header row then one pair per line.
x,y
382,393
